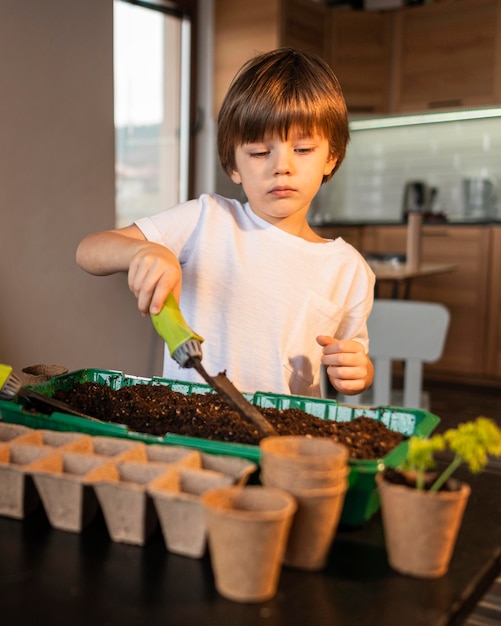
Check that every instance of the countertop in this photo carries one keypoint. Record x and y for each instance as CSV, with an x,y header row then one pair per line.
x,y
50,577
452,221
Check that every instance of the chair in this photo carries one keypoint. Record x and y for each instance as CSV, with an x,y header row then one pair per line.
x,y
408,331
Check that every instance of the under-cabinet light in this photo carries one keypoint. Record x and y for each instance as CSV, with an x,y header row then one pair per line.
x,y
424,118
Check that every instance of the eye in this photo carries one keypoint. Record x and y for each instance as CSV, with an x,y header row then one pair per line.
x,y
304,150
260,153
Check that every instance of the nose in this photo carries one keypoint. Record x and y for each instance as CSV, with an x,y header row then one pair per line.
x,y
282,162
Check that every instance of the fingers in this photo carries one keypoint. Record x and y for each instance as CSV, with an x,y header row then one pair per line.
x,y
153,273
348,387
162,290
325,340
347,364
348,379
335,346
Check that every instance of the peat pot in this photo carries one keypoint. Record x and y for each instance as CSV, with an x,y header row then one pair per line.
x,y
420,527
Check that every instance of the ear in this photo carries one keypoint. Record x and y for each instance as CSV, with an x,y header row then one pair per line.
x,y
330,164
235,177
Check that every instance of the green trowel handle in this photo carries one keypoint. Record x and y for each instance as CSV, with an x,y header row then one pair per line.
x,y
5,372
172,327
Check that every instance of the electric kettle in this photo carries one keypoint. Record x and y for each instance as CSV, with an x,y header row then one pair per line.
x,y
416,198
479,197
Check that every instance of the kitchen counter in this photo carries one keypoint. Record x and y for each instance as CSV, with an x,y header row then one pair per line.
x,y
451,221
49,577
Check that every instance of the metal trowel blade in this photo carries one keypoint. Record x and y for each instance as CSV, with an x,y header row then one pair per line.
x,y
225,388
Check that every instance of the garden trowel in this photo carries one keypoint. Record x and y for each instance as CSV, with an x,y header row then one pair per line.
x,y
185,348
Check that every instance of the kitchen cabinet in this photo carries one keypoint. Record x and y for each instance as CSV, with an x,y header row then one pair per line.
x,y
244,29
494,312
447,55
360,55
434,56
356,44
305,24
472,292
443,55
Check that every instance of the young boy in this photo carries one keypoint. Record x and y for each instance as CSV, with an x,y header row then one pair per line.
x,y
272,299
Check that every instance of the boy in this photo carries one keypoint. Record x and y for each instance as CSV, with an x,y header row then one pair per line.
x,y
272,299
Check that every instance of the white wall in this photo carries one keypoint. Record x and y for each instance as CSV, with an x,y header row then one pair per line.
x,y
56,185
370,182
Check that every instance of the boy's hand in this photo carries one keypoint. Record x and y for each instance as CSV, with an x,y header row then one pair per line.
x,y
349,368
154,272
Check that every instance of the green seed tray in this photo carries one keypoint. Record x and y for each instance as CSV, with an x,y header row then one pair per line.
x,y
361,501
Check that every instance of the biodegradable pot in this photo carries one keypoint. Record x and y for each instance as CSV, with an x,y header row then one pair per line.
x,y
314,526
420,527
119,449
18,496
66,441
127,509
238,469
64,482
11,432
178,455
177,499
294,452
37,374
248,528
62,440
315,479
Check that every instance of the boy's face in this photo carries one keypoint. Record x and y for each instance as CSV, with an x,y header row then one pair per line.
x,y
280,178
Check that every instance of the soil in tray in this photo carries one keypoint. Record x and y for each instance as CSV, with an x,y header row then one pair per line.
x,y
157,410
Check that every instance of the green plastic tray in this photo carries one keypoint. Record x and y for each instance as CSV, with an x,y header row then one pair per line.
x,y
361,501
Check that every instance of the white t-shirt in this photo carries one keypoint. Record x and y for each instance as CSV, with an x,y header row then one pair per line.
x,y
260,296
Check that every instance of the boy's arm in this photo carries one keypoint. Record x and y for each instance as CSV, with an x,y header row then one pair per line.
x,y
109,251
349,368
153,270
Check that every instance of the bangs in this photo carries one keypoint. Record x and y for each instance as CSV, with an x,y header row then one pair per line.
x,y
276,119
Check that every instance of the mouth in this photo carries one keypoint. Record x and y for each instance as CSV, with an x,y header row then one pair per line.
x,y
282,191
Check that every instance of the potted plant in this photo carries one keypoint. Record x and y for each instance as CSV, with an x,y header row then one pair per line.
x,y
422,510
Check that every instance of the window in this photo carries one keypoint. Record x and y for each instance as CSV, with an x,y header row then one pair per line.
x,y
151,67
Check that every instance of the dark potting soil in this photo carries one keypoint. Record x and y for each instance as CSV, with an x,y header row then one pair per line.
x,y
398,477
157,410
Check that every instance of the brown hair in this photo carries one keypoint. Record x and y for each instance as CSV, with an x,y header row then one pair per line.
x,y
278,90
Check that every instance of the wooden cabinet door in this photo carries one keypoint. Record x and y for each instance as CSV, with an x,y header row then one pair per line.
x,y
463,291
385,239
494,320
305,25
447,55
360,55
241,30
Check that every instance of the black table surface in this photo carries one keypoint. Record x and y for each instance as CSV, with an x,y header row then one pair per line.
x,y
54,577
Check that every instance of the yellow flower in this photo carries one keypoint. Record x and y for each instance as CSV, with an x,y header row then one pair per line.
x,y
471,443
474,441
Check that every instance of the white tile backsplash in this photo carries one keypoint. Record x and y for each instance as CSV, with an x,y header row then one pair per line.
x,y
370,182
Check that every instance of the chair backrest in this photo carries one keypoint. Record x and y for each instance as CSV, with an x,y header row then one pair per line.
x,y
409,331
